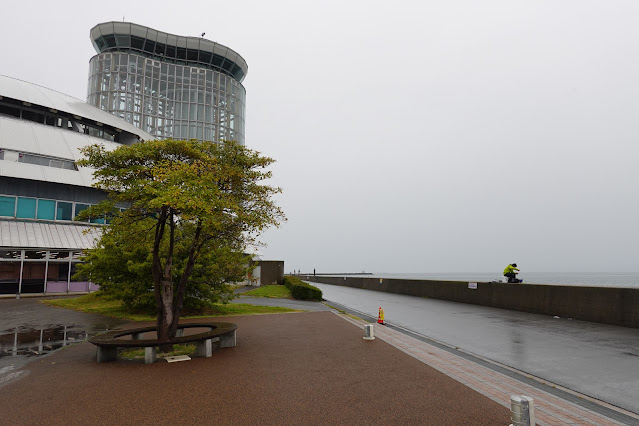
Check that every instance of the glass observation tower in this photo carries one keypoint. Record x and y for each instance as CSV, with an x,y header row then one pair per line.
x,y
167,85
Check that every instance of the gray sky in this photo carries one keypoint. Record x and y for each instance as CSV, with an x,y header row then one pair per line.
x,y
411,136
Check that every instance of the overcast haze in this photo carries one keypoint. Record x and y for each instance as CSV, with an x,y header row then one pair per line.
x,y
447,136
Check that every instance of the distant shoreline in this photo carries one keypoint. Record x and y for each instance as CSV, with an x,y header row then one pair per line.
x,y
336,273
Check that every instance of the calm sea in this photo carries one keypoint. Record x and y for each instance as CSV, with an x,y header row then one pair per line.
x,y
595,279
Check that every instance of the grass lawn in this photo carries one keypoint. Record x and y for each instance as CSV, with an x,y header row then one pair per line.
x,y
279,291
93,303
139,352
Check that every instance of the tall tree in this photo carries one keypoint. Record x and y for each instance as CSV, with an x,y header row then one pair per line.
x,y
190,209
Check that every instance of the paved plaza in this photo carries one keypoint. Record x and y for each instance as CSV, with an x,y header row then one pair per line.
x,y
297,368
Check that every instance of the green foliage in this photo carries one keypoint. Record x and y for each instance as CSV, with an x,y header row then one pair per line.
x,y
301,290
123,270
122,267
191,210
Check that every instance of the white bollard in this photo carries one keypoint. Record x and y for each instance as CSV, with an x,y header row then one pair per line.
x,y
368,332
522,410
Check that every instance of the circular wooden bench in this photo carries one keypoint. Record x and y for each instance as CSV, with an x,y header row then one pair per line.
x,y
220,333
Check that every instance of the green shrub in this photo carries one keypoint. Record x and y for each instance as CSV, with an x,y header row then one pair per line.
x,y
301,290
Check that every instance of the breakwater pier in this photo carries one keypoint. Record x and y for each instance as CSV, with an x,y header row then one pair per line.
x,y
606,305
594,359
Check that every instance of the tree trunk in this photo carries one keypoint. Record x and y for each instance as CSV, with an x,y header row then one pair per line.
x,y
188,270
166,319
163,285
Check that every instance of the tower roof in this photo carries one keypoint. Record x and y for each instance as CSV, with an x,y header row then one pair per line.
x,y
194,51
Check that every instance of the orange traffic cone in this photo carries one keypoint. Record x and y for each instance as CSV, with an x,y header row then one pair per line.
x,y
380,316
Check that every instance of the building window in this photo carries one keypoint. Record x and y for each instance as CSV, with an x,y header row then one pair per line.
x,y
58,277
33,276
40,271
7,206
26,208
46,209
23,157
35,254
43,209
64,211
9,277
10,254
58,255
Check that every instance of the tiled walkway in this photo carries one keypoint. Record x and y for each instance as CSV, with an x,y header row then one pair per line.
x,y
549,409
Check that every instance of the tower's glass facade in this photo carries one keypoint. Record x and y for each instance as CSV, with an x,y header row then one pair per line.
x,y
163,94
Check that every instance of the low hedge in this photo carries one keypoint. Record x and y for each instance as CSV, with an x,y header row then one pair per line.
x,y
301,290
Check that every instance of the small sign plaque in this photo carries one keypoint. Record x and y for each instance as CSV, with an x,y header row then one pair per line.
x,y
177,358
472,285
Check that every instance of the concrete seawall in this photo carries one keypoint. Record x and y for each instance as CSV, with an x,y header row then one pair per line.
x,y
607,305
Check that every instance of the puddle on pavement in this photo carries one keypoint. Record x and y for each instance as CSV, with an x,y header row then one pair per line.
x,y
22,345
37,342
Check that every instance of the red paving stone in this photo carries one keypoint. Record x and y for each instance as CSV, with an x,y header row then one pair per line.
x,y
549,409
303,368
287,369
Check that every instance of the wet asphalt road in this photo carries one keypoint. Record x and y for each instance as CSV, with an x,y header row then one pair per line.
x,y
29,313
29,329
598,360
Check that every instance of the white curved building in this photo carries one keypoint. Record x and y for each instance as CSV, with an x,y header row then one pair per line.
x,y
41,187
168,85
